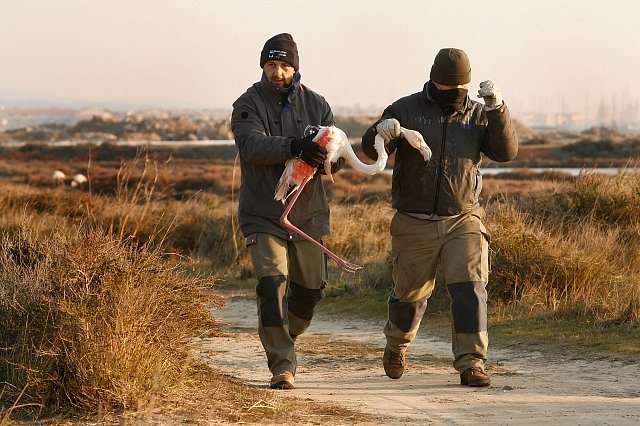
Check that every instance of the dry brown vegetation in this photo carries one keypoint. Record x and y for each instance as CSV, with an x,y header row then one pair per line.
x,y
100,295
91,323
103,287
572,249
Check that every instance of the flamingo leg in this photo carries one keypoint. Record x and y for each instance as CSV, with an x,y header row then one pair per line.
x,y
284,220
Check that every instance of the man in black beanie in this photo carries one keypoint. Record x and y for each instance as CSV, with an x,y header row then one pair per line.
x,y
280,47
439,220
268,123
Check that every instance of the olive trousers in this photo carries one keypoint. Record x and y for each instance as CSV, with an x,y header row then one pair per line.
x,y
460,246
291,278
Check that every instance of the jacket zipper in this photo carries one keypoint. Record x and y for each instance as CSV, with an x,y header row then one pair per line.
x,y
441,165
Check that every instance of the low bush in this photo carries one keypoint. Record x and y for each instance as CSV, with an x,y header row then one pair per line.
x,y
93,323
571,248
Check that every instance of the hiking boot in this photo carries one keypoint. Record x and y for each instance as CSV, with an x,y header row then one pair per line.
x,y
475,376
393,363
282,380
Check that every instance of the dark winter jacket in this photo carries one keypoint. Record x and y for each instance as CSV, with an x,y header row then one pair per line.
x,y
264,121
450,183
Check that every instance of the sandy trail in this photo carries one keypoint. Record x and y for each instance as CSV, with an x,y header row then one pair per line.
x,y
341,362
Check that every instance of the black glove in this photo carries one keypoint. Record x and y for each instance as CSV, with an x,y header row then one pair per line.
x,y
308,151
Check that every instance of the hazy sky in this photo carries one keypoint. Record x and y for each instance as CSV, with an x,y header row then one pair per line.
x,y
544,54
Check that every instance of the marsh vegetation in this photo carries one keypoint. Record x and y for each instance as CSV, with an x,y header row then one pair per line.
x,y
103,287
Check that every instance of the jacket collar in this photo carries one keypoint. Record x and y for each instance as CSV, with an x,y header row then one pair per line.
x,y
290,92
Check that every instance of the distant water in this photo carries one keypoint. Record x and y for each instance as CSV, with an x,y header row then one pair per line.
x,y
572,171
176,143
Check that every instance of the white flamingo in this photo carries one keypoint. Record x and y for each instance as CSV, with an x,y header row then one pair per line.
x,y
337,145
58,177
297,173
78,180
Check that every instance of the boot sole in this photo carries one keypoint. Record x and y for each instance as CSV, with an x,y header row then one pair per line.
x,y
393,376
282,385
476,384
479,385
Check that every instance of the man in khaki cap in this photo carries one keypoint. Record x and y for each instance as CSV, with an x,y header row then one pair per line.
x,y
439,220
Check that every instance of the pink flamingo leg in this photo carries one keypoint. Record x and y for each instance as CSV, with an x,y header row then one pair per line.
x,y
284,220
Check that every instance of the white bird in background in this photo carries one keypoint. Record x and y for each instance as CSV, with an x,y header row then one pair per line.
x,y
58,177
78,180
297,173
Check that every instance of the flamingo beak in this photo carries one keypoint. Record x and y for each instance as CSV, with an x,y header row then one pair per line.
x,y
327,169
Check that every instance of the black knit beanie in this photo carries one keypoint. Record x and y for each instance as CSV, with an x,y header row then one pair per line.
x,y
280,47
451,67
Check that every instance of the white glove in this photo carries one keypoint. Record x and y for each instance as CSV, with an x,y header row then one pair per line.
x,y
491,94
388,129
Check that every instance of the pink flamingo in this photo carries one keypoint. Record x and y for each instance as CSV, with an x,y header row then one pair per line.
x,y
297,173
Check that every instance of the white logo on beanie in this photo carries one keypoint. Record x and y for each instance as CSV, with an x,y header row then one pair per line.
x,y
277,54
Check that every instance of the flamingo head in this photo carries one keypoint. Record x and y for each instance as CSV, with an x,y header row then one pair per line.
x,y
333,139
416,140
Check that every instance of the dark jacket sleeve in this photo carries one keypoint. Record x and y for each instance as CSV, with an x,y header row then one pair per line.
x,y
252,140
328,119
501,141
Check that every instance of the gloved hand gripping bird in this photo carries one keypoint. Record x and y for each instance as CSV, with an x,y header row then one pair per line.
x,y
298,173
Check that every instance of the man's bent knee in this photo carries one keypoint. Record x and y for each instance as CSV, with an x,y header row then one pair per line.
x,y
469,306
406,315
302,301
272,302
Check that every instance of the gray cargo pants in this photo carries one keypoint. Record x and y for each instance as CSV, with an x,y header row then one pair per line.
x,y
461,246
291,276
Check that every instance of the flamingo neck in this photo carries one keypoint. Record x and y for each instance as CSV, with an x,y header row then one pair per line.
x,y
379,165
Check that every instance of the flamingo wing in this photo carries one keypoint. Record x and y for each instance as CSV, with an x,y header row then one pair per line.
x,y
295,171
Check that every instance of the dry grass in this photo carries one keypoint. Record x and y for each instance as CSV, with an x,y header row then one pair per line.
x,y
572,250
92,323
211,397
546,270
98,300
568,247
92,280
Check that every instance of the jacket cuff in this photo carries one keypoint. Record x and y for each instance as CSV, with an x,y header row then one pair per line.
x,y
285,148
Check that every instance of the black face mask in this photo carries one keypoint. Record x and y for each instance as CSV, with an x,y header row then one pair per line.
x,y
449,100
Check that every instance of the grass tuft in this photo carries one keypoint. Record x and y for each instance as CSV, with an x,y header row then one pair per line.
x,y
92,323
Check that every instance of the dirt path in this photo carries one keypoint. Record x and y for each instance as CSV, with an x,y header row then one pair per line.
x,y
341,363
